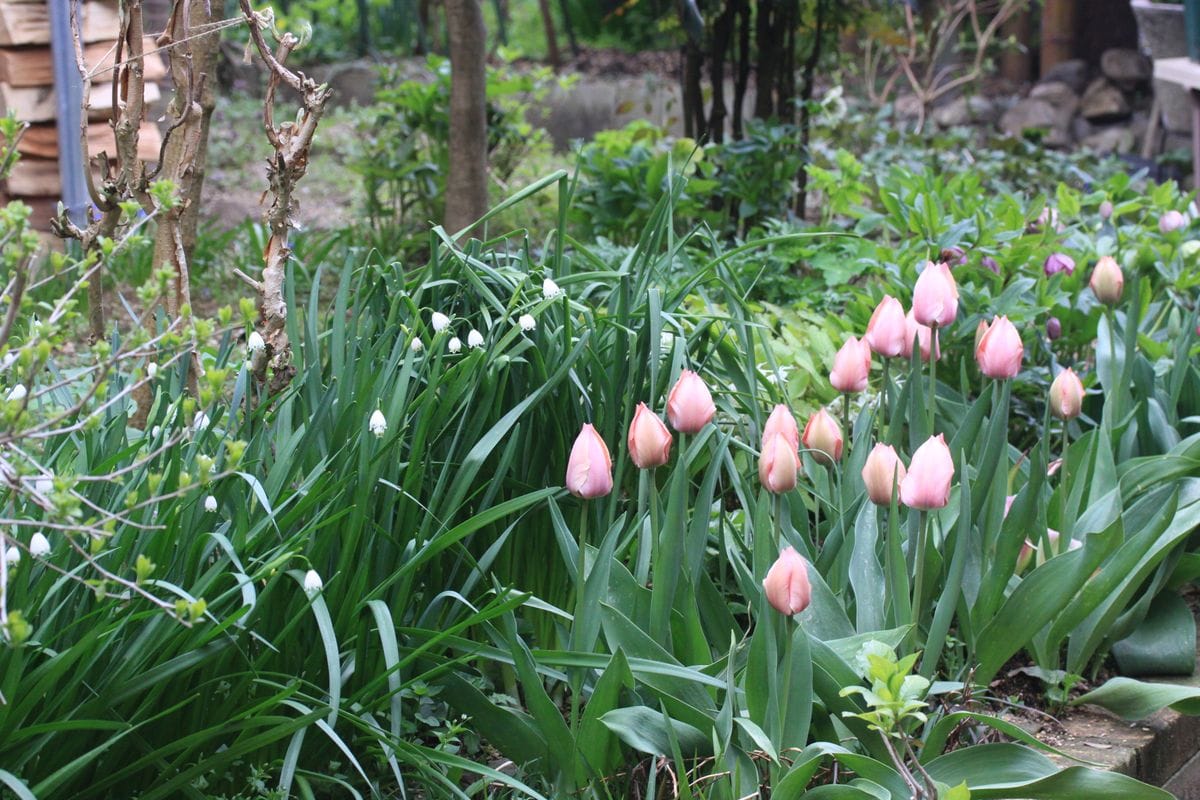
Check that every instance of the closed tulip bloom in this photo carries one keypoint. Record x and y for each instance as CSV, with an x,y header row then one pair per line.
x,y
1053,328
823,436
690,405
1066,395
786,585
778,464
887,333
927,484
882,470
925,339
782,422
589,469
935,296
999,351
851,366
1107,281
1058,262
649,440
1171,221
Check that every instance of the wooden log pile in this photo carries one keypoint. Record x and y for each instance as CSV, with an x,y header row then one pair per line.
x,y
27,92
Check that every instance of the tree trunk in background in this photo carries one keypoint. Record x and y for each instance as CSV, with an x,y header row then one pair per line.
x,y
764,83
551,36
742,79
569,28
694,123
1016,63
1058,32
187,145
466,183
806,94
721,36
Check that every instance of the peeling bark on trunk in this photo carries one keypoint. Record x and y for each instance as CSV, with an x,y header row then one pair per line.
x,y
466,183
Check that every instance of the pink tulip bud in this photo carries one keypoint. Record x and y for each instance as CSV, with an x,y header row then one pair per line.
x,y
999,350
1053,328
778,464
927,484
786,585
823,436
1107,281
690,406
1047,220
589,469
1106,209
1066,395
851,366
880,473
649,440
924,335
886,333
1028,549
1171,221
782,422
1058,262
935,296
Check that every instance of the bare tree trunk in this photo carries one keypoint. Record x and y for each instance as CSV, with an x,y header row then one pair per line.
x,y
765,36
192,63
466,183
693,94
742,80
806,94
722,34
551,36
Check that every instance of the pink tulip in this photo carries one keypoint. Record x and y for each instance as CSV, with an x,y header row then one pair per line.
x,y
886,333
1058,262
589,470
778,464
786,585
823,436
851,366
782,422
1066,395
999,351
1171,221
1028,549
927,484
649,440
880,473
935,296
690,406
1107,281
924,336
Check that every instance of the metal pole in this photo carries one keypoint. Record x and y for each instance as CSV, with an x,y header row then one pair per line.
x,y
68,87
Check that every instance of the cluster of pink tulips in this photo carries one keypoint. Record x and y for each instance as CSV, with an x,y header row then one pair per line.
x,y
924,484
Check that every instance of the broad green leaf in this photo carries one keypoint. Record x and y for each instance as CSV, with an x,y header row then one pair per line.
x,y
645,730
1132,699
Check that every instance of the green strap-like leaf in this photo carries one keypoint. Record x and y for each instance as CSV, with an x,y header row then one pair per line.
x,y
1131,699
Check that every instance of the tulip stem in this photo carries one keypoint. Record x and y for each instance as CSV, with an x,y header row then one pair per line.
x,y
647,499
923,529
884,400
933,359
577,674
1064,529
778,523
846,429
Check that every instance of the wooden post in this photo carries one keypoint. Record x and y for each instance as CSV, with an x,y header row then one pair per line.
x,y
1016,62
1058,32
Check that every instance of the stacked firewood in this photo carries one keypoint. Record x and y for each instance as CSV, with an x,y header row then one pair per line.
x,y
27,92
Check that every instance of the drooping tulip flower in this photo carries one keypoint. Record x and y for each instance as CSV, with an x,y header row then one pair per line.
x,y
778,464
589,468
1171,221
851,367
882,470
927,484
886,333
690,405
786,585
1066,395
1107,281
935,296
999,351
1053,329
1058,262
782,422
649,440
926,339
823,436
